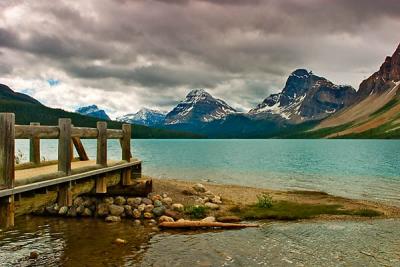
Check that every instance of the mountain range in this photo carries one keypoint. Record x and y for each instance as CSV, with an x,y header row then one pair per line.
x,y
308,106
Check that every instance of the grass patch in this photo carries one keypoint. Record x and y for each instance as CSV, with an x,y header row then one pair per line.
x,y
309,193
285,210
264,201
196,211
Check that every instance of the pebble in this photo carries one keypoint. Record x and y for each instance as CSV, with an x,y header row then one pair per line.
x,y
157,203
199,188
155,197
137,222
120,241
177,207
212,206
116,210
164,195
119,201
141,207
167,201
208,219
148,208
173,214
216,200
136,213
113,219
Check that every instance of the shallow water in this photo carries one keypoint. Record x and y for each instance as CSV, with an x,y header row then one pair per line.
x,y
89,242
353,168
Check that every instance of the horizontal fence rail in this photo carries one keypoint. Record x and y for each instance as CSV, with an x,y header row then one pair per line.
x,y
68,137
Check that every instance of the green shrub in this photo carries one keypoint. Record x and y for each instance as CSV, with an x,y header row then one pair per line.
x,y
264,201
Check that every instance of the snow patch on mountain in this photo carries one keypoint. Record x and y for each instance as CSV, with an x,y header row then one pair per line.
x,y
145,116
93,111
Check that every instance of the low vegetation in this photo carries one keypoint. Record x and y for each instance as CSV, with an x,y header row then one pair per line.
x,y
196,211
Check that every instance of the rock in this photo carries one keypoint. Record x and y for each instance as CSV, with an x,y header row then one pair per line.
x,y
148,208
155,197
102,209
209,193
78,201
170,213
87,202
141,207
200,201
87,212
116,210
134,202
182,220
165,219
113,218
216,200
33,255
120,241
199,188
147,201
137,222
158,211
108,200
72,212
177,207
80,209
212,206
128,210
167,201
228,219
157,203
208,219
148,215
119,201
136,213
164,195
63,210
53,209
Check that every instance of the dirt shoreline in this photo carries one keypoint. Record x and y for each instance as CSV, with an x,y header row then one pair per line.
x,y
234,195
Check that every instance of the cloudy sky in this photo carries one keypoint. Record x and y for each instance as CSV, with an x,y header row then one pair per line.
x,y
124,55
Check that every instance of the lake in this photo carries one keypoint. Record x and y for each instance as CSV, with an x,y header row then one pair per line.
x,y
365,169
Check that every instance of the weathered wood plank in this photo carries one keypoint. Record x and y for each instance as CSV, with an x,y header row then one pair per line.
x,y
101,184
126,176
126,142
114,134
84,132
80,148
65,195
102,143
34,147
64,146
30,131
7,167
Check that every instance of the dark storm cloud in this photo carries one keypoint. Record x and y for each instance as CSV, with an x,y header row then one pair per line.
x,y
247,47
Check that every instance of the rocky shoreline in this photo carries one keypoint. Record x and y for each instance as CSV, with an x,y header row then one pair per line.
x,y
151,210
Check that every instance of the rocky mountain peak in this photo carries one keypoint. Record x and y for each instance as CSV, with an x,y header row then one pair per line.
x,y
145,116
93,111
383,79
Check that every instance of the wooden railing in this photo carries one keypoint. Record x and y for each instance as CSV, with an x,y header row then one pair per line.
x,y
68,136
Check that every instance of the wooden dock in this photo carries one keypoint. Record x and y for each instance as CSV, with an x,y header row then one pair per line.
x,y
66,177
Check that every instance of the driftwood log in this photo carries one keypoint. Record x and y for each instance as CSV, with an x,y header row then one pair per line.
x,y
200,224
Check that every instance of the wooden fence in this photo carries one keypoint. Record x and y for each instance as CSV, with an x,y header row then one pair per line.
x,y
68,136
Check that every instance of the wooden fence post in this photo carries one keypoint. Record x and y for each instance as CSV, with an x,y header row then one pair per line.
x,y
101,158
80,148
34,147
126,142
7,167
64,160
64,146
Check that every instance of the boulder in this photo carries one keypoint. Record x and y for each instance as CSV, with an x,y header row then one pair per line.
x,y
165,219
116,210
102,209
212,206
177,207
78,201
63,210
80,209
167,201
72,212
158,211
134,201
119,201
128,210
113,219
87,212
87,202
108,200
147,201
136,213
173,214
199,188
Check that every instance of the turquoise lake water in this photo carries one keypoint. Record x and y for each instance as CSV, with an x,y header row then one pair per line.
x,y
367,169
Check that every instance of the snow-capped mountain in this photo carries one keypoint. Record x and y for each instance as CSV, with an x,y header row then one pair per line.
x,y
305,97
93,111
198,107
145,116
